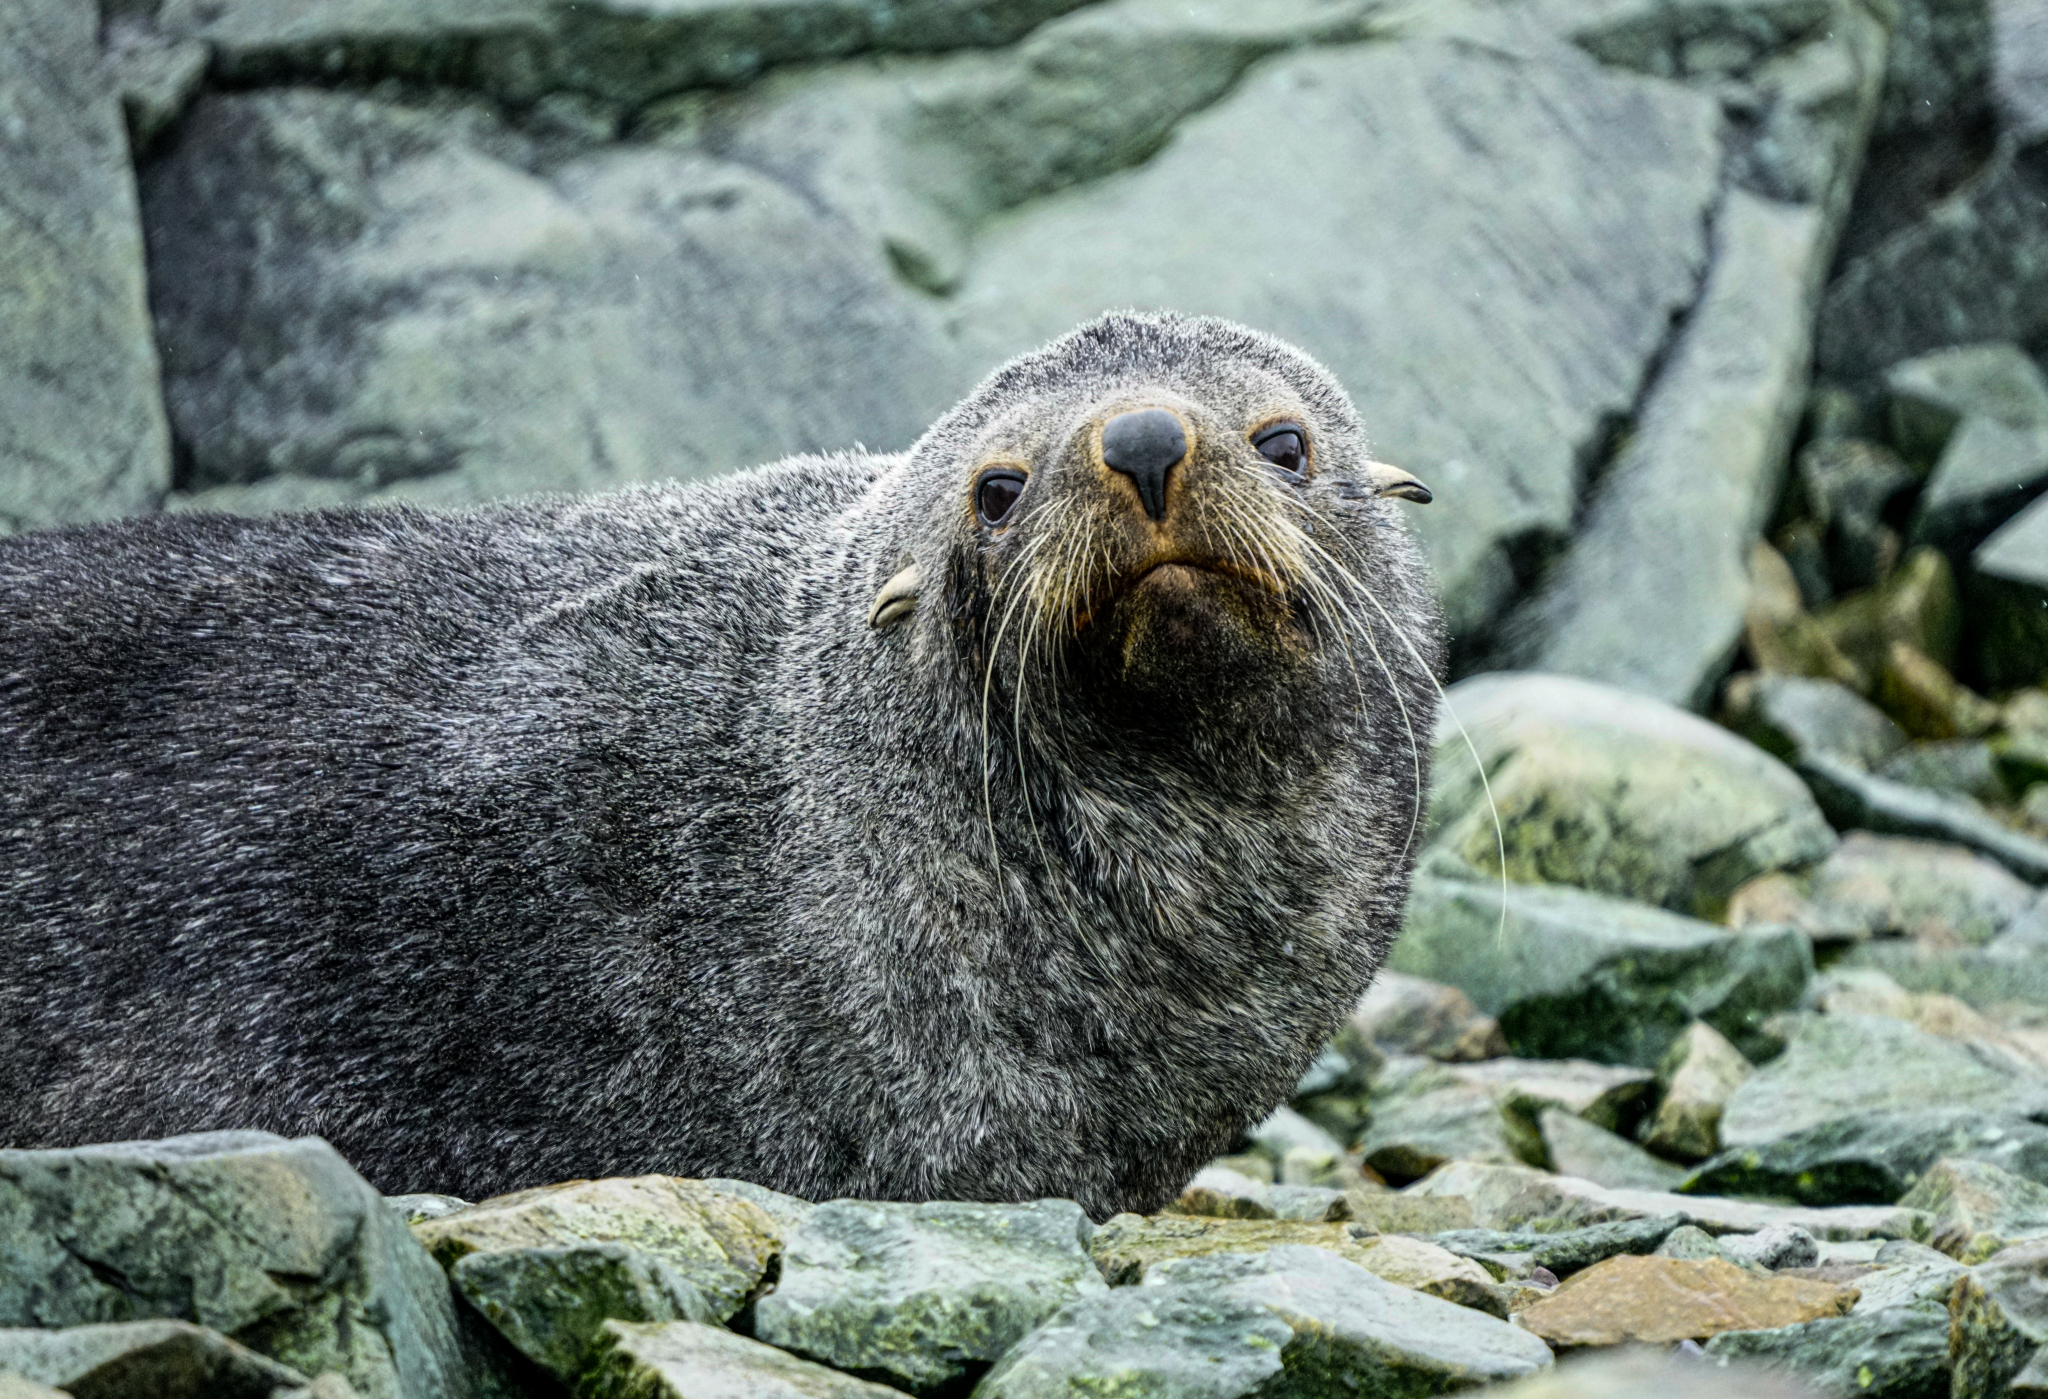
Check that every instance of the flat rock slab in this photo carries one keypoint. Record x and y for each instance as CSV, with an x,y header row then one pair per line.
x,y
160,1359
1838,1065
1572,974
1852,798
684,1360
1564,1251
1895,886
276,1244
917,1293
82,430
1874,1157
1129,1244
1613,792
716,1242
1664,1300
1590,1152
1202,1327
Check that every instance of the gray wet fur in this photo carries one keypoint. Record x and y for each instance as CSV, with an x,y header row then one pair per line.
x,y
600,836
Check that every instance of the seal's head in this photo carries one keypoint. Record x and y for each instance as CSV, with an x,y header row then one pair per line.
x,y
1166,519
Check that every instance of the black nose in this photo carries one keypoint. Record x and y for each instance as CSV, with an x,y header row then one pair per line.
x,y
1144,446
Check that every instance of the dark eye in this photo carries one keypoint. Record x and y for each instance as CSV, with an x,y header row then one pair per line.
x,y
996,496
1285,445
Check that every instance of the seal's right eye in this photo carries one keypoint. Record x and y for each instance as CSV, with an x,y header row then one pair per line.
x,y
995,496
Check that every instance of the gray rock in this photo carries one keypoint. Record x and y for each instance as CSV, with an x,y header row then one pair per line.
x,y
634,312
1826,1072
1775,1246
1517,1197
1666,808
1937,70
1699,1073
1998,1319
1610,1096
1408,1015
414,1208
1201,1327
1424,1115
1646,597
1931,394
1578,975
1898,1353
2019,67
157,1359
1963,767
786,1210
1874,1156
274,1243
1598,179
1692,1242
2008,593
82,433
1518,1252
1974,269
1987,474
1988,977
1906,1273
1970,1197
1853,798
1846,487
684,1360
1892,886
917,1293
522,49
1792,716
552,1303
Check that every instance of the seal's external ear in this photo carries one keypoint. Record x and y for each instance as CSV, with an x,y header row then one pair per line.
x,y
1392,480
897,599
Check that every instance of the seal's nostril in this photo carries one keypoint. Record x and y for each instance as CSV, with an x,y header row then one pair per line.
x,y
1144,445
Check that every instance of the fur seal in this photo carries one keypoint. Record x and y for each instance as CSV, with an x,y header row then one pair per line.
x,y
1013,816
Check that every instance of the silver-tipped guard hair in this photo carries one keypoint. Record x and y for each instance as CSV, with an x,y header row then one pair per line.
x,y
1393,481
897,600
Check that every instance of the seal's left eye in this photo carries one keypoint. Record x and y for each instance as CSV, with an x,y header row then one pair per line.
x,y
1285,445
996,496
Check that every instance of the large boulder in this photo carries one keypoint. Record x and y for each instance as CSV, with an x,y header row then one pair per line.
x,y
276,1244
1610,791
82,433
1875,1155
1578,975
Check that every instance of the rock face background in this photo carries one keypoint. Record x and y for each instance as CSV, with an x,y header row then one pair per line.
x,y
1720,1023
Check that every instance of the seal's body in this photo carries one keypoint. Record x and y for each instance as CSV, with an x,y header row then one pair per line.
x,y
1011,817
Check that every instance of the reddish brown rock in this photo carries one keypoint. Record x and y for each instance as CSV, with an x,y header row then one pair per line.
x,y
1663,1300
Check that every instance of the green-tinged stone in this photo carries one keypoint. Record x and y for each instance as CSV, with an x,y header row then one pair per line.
x,y
1838,1065
1515,1252
1429,1115
1986,978
1579,1148
1873,1156
1699,1073
1854,798
1897,1353
1998,1319
916,1294
1197,1327
552,1302
143,1360
1968,1198
1791,716
685,1360
1578,975
717,1242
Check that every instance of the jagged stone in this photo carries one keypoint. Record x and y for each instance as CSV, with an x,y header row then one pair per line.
x,y
1778,633
1874,1156
1930,395
1928,702
1791,716
1916,605
1978,1206
685,1360
552,1303
1998,1319
1897,1353
1699,1073
1427,1115
1579,1148
1853,798
1846,487
143,1360
1518,1253
1963,767
1987,474
2009,601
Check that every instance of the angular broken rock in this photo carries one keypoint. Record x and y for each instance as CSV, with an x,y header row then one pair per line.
x,y
1978,1206
919,1292
1665,1300
1201,1327
1998,1319
161,1359
1854,798
1931,394
552,1303
1408,1015
1700,1072
717,1243
1424,1114
1790,716
684,1360
1579,1148
1898,1351
1874,1156
1612,1096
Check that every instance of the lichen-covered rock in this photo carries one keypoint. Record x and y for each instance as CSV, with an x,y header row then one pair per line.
x,y
685,1360
1663,1300
1837,1065
1577,975
1977,1206
143,1360
1201,1327
1874,1156
716,1242
1894,886
1854,798
918,1293
1577,1147
552,1303
1517,1253
1612,792
1998,1319
1699,1073
276,1244
1897,1353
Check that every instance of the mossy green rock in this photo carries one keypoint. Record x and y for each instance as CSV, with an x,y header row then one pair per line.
x,y
917,1293
1613,792
1572,974
277,1244
717,1242
1841,1065
1998,1319
158,1359
684,1360
552,1303
1874,1157
1897,1353
1290,1323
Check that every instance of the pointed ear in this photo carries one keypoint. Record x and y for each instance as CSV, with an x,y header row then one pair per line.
x,y
897,599
1392,480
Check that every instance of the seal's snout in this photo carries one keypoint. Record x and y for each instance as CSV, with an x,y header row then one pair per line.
x,y
1144,445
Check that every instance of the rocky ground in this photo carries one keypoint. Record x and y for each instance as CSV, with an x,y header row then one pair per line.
x,y
1714,1056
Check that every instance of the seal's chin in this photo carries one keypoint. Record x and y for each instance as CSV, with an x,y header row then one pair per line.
x,y
1185,633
